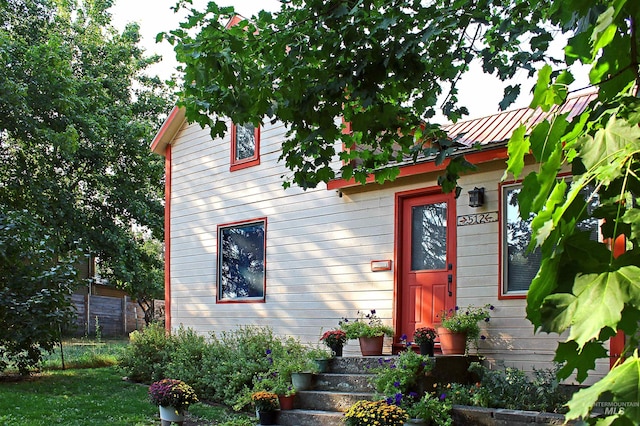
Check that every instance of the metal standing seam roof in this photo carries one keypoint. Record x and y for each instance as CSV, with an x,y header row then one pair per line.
x,y
499,127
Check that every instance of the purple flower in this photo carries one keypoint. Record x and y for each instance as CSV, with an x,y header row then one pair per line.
x,y
486,319
403,337
373,312
457,307
389,400
483,337
492,307
413,394
396,384
398,398
443,396
268,351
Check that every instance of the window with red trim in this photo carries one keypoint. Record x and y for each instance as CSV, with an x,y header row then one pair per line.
x,y
245,146
520,266
241,261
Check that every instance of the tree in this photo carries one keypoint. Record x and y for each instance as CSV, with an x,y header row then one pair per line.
x,y
383,66
35,291
77,113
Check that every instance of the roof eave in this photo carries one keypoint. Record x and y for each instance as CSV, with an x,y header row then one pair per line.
x,y
168,130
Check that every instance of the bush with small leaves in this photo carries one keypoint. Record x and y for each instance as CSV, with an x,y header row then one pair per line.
x,y
146,357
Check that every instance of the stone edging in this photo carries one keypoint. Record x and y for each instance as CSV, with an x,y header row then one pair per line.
x,y
465,415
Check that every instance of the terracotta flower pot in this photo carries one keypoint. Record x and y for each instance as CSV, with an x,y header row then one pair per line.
x,y
452,343
371,346
286,402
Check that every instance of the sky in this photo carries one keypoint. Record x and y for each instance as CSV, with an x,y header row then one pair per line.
x,y
481,93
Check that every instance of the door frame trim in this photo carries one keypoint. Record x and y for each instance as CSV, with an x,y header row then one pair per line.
x,y
400,197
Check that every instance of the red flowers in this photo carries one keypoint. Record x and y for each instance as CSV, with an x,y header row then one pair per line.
x,y
334,337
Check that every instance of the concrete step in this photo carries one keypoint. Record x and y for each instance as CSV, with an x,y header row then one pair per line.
x,y
357,365
343,382
310,418
329,400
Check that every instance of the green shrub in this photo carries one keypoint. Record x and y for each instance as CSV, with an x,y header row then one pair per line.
x,y
510,388
147,355
234,359
400,375
186,359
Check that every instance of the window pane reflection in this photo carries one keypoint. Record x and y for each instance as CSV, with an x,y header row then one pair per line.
x,y
429,236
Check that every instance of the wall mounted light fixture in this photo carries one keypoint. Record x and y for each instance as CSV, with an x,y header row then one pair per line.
x,y
476,197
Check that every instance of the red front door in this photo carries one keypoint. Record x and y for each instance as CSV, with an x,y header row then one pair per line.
x,y
426,258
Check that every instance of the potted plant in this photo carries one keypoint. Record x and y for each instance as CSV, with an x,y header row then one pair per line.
x,y
369,330
280,384
266,404
173,398
302,370
335,340
460,326
427,410
378,413
321,358
402,374
424,337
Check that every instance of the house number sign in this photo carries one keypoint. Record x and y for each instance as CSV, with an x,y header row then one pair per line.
x,y
477,219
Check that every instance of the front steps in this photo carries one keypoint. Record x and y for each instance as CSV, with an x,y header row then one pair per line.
x,y
332,393
347,381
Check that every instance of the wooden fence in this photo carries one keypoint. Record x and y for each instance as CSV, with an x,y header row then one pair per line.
x,y
117,314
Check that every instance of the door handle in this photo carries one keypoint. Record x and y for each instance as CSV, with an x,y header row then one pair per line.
x,y
449,281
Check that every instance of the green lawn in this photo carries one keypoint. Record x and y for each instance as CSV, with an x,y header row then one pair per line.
x,y
90,391
76,397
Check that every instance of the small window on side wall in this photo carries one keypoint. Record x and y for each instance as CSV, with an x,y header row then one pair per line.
x,y
519,267
241,261
245,146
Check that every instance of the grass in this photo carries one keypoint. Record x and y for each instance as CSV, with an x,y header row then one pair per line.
x,y
76,397
86,395
85,353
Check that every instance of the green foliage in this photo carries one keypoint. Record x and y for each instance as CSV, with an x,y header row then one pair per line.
x,y
34,292
76,397
400,375
82,353
383,65
234,359
466,320
365,325
430,408
78,113
188,350
148,354
511,388
581,286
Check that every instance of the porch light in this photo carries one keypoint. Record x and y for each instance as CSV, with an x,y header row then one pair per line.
x,y
476,197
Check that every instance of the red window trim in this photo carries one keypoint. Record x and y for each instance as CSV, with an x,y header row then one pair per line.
x,y
264,284
501,294
245,162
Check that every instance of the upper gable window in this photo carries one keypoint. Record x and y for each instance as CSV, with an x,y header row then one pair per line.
x,y
245,146
519,267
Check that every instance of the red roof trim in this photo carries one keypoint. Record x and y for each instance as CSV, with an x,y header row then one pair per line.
x,y
168,130
477,157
